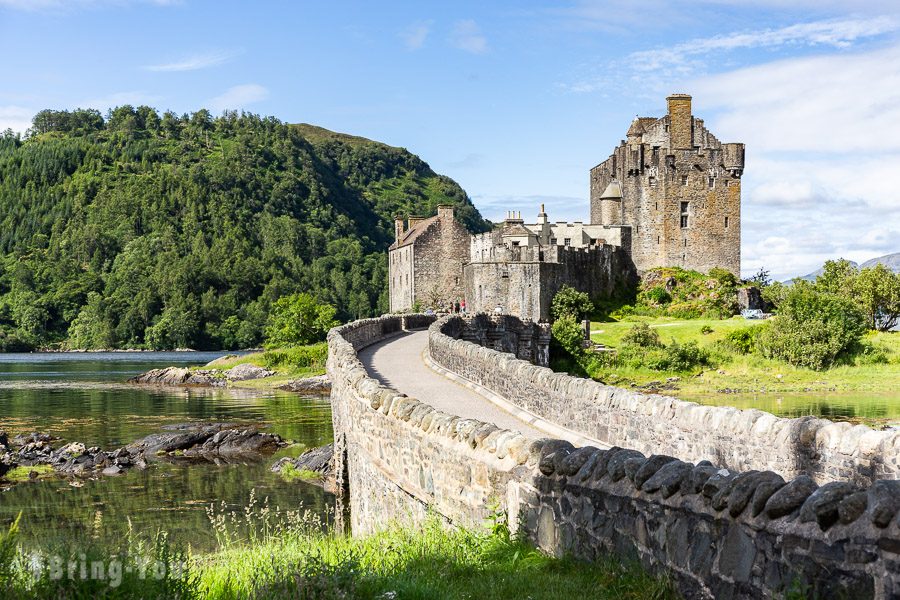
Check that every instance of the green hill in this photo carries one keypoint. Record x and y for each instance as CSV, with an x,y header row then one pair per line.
x,y
148,230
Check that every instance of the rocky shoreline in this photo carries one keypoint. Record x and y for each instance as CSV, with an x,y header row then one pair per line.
x,y
318,461
196,442
211,377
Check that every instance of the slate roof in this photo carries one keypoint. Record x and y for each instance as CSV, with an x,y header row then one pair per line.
x,y
414,232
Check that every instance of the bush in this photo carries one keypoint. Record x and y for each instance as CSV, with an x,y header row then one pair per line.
x,y
658,295
569,302
302,357
684,357
642,336
706,330
298,320
813,328
743,340
568,334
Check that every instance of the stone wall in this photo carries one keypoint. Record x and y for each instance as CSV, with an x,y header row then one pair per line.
x,y
523,280
528,340
736,439
721,534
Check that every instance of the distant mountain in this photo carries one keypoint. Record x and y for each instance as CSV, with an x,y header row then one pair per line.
x,y
891,261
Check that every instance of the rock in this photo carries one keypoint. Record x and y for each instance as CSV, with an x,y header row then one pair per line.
x,y
790,497
6,468
74,449
573,462
113,470
822,505
744,491
247,372
852,507
181,376
319,384
884,501
650,467
319,460
668,479
698,478
615,467
763,492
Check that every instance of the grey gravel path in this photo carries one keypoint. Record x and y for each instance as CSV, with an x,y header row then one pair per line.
x,y
397,362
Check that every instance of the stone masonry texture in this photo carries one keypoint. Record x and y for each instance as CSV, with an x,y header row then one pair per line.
x,y
743,532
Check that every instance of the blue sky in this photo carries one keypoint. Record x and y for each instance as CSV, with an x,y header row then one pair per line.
x,y
517,100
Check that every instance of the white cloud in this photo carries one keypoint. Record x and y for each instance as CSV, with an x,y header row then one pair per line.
x,y
415,35
17,118
238,96
194,62
834,33
467,36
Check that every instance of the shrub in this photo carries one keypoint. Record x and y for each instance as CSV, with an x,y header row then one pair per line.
x,y
743,340
303,357
813,328
706,330
657,295
684,357
568,334
642,336
570,302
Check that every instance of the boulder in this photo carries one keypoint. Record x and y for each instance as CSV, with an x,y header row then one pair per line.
x,y
320,385
181,376
247,372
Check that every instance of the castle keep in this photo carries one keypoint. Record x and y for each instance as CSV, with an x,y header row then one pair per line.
x,y
668,195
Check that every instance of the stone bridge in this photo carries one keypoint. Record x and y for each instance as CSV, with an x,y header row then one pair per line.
x,y
451,417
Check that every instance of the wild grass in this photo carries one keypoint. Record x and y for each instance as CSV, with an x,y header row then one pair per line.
x,y
872,369
287,363
20,474
267,553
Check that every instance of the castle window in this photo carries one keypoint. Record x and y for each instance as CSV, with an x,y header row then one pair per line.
x,y
457,281
684,180
685,243
657,240
552,241
652,181
567,241
726,222
516,244
656,206
712,182
726,183
684,214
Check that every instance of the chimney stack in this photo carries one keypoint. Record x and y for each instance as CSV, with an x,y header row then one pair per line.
x,y
445,211
413,221
399,228
681,126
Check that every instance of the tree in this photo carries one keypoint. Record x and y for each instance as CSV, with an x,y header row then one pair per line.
x,y
837,277
877,292
812,328
569,302
761,278
297,320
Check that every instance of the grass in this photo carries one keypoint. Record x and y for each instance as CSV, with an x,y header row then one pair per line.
x,y
266,553
20,474
291,473
288,363
866,388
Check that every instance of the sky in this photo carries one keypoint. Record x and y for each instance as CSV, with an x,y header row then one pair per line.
x,y
517,100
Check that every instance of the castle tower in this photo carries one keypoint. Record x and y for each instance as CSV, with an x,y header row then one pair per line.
x,y
676,188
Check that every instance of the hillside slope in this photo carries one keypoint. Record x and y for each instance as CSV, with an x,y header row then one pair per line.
x,y
163,231
891,261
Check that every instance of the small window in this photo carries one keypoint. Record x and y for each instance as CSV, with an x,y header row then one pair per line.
x,y
726,222
552,241
656,206
657,240
684,214
685,243
684,180
457,281
567,241
712,182
652,181
727,182
516,244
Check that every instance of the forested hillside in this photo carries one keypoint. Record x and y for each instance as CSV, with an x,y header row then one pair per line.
x,y
141,230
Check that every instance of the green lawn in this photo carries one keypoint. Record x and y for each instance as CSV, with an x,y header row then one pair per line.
x,y
864,390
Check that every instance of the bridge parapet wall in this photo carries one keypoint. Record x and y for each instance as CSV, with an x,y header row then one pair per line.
x,y
733,438
720,533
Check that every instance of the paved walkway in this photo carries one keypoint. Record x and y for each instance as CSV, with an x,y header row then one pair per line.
x,y
397,362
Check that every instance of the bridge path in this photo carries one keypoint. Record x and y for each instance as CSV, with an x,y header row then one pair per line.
x,y
398,362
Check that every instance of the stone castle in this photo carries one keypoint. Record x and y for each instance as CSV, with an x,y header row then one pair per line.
x,y
668,195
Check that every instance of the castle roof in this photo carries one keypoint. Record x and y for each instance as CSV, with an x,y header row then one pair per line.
x,y
517,229
613,191
639,125
413,232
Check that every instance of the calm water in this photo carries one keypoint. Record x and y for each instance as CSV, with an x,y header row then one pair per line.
x,y
873,409
84,397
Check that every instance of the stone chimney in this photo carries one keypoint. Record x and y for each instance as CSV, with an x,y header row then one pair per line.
x,y
681,127
445,211
413,221
399,228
